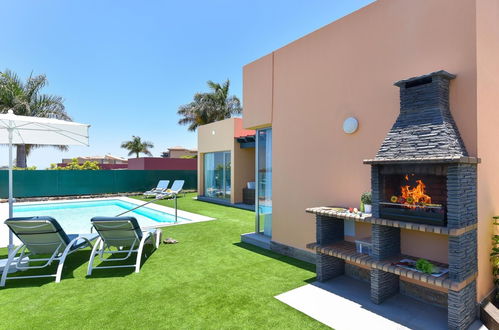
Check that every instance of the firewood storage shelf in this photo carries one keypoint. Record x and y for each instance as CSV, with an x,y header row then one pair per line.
x,y
347,251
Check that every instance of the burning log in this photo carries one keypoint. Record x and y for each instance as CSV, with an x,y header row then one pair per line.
x,y
413,196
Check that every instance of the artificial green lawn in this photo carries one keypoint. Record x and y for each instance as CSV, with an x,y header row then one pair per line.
x,y
208,281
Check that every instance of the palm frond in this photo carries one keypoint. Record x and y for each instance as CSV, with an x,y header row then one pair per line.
x,y
30,147
26,99
209,107
137,146
34,85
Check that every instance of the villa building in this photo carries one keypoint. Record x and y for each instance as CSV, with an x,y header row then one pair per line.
x,y
179,152
226,163
396,93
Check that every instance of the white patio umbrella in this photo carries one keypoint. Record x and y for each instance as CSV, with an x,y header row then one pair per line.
x,y
35,130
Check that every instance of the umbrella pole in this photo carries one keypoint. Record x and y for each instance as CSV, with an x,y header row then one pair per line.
x,y
11,200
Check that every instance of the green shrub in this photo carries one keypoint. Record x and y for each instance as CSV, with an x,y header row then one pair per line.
x,y
494,258
29,168
87,165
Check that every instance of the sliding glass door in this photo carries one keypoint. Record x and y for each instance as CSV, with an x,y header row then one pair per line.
x,y
217,179
264,181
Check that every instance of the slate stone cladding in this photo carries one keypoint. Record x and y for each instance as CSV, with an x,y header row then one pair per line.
x,y
375,191
383,285
328,230
358,273
425,127
427,295
463,256
329,267
293,252
461,195
385,241
462,307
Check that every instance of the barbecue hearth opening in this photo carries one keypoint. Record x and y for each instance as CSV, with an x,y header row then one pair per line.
x,y
414,193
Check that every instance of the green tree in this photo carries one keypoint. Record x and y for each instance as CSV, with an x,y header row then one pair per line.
x,y
137,146
210,107
26,99
30,168
74,165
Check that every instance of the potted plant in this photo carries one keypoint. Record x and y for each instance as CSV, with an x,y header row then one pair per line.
x,y
367,201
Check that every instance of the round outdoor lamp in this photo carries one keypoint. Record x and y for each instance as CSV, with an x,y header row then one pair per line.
x,y
350,125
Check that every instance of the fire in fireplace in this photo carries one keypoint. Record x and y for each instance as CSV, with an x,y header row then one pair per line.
x,y
415,164
418,196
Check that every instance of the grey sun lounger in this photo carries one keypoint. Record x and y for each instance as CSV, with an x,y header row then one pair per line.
x,y
126,236
176,188
42,237
161,187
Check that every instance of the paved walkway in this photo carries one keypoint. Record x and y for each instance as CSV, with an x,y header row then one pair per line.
x,y
343,303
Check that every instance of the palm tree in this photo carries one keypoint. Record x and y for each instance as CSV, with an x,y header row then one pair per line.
x,y
137,146
210,107
25,99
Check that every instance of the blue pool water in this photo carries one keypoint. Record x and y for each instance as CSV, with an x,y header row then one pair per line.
x,y
74,217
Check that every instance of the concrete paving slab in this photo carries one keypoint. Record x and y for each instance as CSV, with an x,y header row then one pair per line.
x,y
343,303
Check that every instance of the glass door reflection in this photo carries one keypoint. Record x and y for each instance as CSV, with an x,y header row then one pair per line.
x,y
217,177
264,182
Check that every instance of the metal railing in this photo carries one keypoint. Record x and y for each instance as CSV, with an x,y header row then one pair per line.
x,y
149,202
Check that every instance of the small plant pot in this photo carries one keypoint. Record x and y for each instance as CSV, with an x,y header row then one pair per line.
x,y
367,208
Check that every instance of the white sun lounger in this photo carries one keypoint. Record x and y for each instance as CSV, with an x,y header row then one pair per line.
x,y
125,235
160,188
42,236
176,188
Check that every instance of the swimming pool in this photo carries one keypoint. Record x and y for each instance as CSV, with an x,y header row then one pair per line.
x,y
74,217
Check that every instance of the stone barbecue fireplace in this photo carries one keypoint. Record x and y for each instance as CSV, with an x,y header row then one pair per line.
x,y
422,179
423,158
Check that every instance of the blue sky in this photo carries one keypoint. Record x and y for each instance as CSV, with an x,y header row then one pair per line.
x,y
124,67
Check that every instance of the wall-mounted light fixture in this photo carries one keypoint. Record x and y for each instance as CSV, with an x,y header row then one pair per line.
x,y
213,132
350,125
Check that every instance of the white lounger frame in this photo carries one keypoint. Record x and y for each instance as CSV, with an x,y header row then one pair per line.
x,y
157,190
100,249
56,256
169,193
154,192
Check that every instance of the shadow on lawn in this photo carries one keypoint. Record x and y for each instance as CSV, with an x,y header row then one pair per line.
x,y
119,272
73,261
270,254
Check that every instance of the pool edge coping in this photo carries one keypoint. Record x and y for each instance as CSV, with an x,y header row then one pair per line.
x,y
193,217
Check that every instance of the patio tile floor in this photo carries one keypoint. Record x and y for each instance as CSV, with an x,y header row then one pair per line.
x,y
343,303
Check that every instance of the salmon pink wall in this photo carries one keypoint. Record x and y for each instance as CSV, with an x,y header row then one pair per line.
x,y
257,92
348,69
488,134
